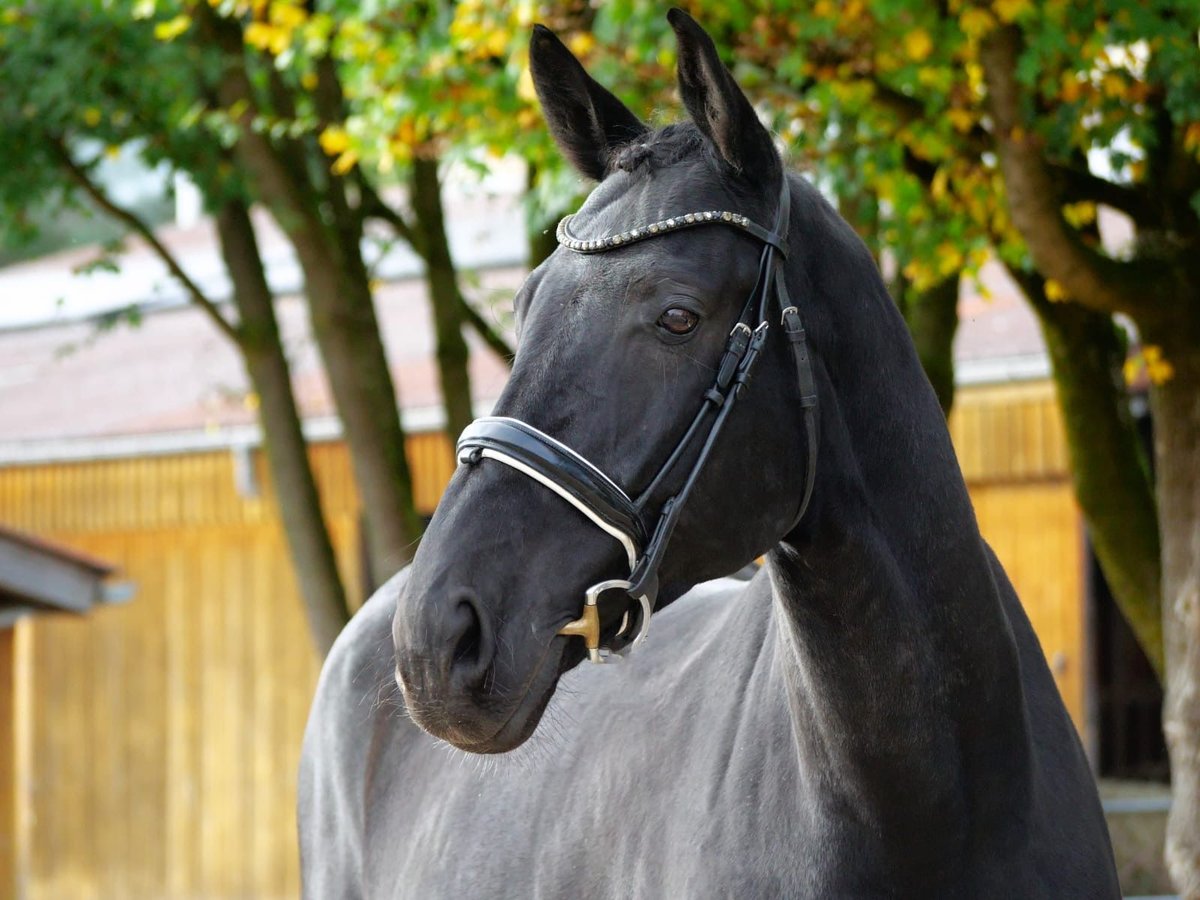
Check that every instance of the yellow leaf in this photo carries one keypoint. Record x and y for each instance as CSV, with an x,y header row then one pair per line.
x,y
1131,369
918,45
271,38
1113,85
1148,360
949,258
288,15
172,28
1191,137
974,76
961,119
1072,87
308,81
525,89
344,163
581,44
976,22
334,140
1080,214
112,151
259,35
527,118
938,187
1157,368
92,116
1009,10
1055,292
251,401
1160,373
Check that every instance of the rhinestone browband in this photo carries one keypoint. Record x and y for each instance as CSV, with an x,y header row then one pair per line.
x,y
664,226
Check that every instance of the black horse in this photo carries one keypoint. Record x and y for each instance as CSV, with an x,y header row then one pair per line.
x,y
871,715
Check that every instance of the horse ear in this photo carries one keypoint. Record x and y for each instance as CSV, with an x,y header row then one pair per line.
x,y
587,121
716,103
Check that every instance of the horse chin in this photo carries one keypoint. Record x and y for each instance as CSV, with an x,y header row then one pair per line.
x,y
468,730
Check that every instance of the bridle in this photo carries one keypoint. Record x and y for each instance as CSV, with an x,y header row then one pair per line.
x,y
556,466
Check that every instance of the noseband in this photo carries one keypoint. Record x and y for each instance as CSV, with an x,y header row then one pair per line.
x,y
556,466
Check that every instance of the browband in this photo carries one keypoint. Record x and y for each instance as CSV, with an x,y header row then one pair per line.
x,y
665,226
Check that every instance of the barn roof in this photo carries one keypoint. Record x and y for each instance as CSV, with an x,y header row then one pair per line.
x,y
39,576
69,389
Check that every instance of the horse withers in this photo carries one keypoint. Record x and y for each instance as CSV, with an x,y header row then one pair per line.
x,y
871,715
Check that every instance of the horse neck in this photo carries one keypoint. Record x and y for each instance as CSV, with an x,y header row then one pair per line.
x,y
900,663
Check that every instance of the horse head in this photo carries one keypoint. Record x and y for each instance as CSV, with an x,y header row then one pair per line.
x,y
629,350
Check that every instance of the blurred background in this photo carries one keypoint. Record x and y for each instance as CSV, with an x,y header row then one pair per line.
x,y
256,263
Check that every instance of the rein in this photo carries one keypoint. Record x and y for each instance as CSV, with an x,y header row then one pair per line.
x,y
585,486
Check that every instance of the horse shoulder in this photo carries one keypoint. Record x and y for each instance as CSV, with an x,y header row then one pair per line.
x,y
340,741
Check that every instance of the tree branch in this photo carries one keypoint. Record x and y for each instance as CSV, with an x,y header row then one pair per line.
x,y
490,335
138,225
1078,185
280,177
1035,203
373,206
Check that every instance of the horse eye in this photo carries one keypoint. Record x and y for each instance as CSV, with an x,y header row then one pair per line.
x,y
678,320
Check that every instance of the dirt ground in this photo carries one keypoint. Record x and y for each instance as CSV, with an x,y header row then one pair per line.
x,y
1137,821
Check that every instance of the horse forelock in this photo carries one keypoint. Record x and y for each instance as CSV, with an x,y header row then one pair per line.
x,y
670,171
659,149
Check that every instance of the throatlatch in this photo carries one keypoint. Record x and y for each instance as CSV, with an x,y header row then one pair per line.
x,y
556,466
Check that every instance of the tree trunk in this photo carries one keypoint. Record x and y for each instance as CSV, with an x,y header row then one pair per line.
x,y
347,332
1110,471
310,205
932,318
1177,471
287,453
448,305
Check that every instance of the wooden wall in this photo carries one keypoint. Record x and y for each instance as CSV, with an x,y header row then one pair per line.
x,y
10,865
158,747
1013,454
163,734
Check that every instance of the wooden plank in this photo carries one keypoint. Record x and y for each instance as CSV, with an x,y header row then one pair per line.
x,y
181,717
145,805
264,736
9,795
1034,530
22,743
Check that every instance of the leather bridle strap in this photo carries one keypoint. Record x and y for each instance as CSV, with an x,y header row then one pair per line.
x,y
556,466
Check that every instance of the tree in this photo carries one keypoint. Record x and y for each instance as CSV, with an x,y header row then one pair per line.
x,y
45,115
1147,65
316,207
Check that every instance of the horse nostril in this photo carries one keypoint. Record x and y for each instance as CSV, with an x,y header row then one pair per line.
x,y
466,651
472,648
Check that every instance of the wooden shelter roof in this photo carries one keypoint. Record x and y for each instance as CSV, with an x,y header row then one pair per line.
x,y
37,575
